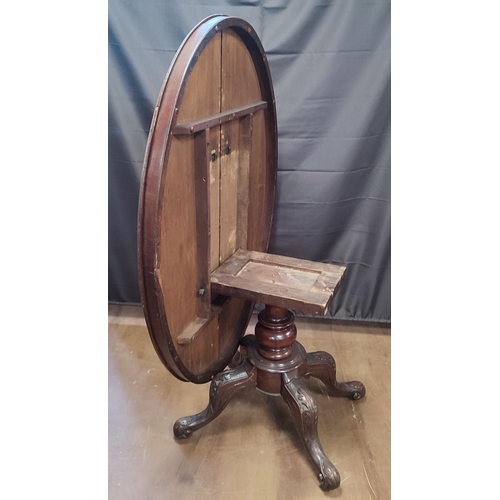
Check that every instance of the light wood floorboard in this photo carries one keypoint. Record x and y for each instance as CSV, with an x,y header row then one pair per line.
x,y
253,449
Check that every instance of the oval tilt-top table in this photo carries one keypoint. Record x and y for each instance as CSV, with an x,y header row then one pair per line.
x,y
205,213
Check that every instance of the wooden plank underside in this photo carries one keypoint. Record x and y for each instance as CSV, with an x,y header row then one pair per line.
x,y
182,250
219,118
296,284
245,149
199,325
202,192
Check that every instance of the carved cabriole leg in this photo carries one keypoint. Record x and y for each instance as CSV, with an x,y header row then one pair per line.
x,y
304,409
321,365
274,362
222,388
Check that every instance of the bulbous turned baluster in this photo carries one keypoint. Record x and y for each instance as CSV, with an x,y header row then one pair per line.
x,y
275,333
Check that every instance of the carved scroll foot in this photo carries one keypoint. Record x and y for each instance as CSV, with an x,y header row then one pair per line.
x,y
305,412
222,388
321,365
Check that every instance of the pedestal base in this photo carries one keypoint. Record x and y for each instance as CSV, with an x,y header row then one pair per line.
x,y
279,377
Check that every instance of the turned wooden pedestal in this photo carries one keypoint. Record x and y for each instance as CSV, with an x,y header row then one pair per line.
x,y
274,362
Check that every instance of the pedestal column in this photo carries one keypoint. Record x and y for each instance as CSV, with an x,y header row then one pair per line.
x,y
275,333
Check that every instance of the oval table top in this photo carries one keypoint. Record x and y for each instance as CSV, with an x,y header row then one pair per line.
x,y
207,190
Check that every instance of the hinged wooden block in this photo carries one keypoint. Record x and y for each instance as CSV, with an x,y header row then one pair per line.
x,y
287,282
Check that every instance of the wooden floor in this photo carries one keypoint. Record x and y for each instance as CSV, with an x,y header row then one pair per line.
x,y
252,450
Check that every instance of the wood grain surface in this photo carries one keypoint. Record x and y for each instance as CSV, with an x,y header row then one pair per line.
x,y
208,189
306,286
179,268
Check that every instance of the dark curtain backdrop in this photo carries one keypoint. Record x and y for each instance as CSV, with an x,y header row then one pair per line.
x,y
330,64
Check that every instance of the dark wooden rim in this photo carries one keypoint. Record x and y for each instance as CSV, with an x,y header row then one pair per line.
x,y
157,149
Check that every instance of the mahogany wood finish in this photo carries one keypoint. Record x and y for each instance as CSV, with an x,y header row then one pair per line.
x,y
275,333
321,365
222,388
274,362
304,410
205,217
208,188
218,119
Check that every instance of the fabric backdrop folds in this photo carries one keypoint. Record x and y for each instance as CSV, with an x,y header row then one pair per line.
x,y
330,65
